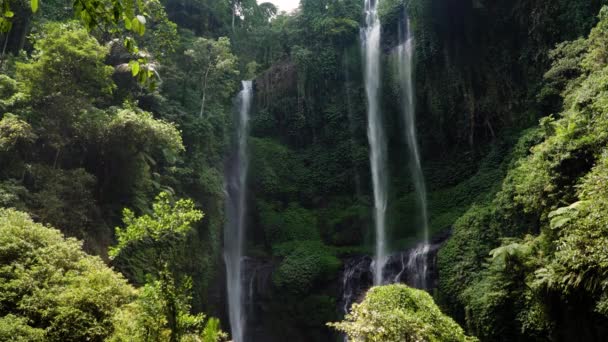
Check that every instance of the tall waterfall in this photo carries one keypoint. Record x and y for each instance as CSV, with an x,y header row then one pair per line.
x,y
236,207
370,41
405,57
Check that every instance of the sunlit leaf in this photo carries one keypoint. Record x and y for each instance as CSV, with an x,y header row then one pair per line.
x,y
134,67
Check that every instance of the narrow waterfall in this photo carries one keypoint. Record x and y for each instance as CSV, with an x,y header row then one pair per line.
x,y
405,57
370,41
236,207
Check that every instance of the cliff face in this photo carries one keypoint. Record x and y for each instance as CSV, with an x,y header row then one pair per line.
x,y
277,82
479,66
480,63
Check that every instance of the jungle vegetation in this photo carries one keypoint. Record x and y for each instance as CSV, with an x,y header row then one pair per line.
x,y
116,118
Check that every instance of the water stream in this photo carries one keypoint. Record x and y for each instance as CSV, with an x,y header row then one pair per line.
x,y
402,267
411,266
370,41
236,208
405,65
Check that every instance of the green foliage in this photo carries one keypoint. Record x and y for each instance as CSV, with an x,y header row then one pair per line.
x,y
167,219
10,97
214,66
137,131
68,66
15,328
12,194
398,313
551,283
274,170
84,144
498,53
292,223
110,16
163,311
305,265
93,150
64,199
389,11
566,65
344,222
14,133
212,332
146,318
501,305
50,289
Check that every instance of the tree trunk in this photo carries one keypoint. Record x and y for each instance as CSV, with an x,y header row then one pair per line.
x,y
233,14
204,90
6,36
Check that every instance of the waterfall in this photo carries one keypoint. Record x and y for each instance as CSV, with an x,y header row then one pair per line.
x,y
370,45
401,267
234,232
405,57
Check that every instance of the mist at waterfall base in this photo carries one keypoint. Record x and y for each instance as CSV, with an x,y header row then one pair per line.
x,y
236,200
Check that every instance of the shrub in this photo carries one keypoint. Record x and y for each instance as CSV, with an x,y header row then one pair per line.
x,y
397,313
50,289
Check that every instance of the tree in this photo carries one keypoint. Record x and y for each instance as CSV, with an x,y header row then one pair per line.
x,y
50,289
167,220
108,16
397,313
214,65
64,81
163,310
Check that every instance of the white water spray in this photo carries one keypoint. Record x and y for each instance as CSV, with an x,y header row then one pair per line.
x,y
370,40
405,57
236,208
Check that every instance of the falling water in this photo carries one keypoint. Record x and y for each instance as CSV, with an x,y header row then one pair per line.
x,y
370,41
234,232
400,267
405,56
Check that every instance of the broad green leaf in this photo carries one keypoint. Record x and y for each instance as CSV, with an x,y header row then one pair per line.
x,y
559,222
135,25
34,5
138,26
134,67
127,24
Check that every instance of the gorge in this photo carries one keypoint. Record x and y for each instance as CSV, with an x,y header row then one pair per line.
x,y
393,170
